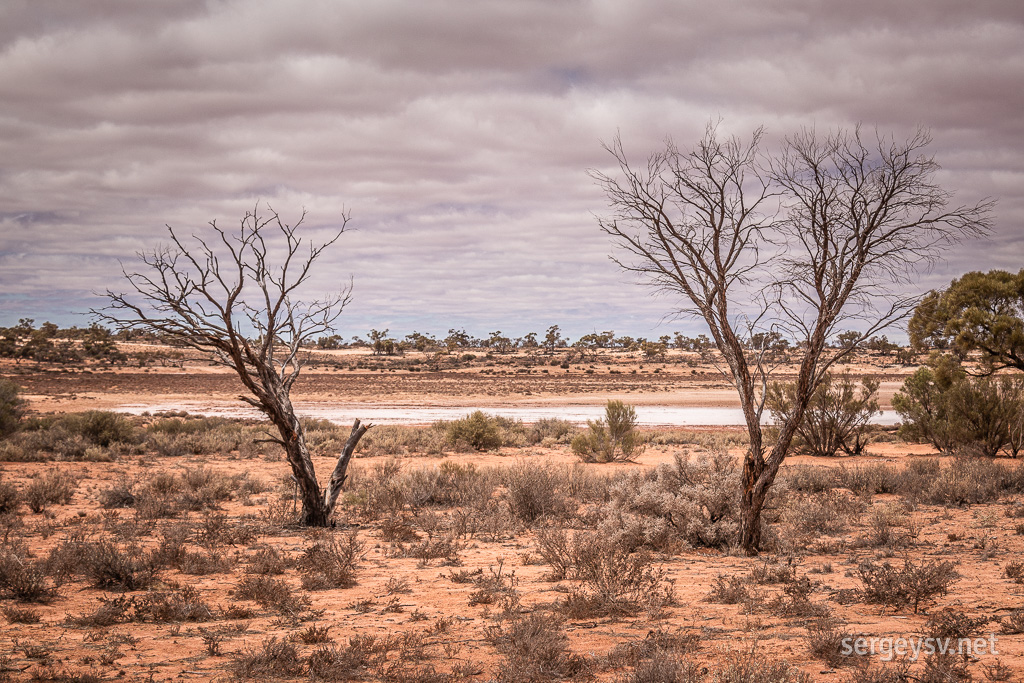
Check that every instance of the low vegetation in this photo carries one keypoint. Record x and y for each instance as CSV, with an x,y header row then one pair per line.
x,y
180,530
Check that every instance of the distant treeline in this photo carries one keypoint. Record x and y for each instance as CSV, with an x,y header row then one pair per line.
x,y
52,344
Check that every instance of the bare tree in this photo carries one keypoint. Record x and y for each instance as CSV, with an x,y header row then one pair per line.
x,y
826,232
231,294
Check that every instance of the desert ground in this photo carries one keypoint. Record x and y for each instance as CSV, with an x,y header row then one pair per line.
x,y
170,552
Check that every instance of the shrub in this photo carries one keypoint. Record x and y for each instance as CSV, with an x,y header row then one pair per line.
x,y
686,502
273,658
12,407
272,593
612,580
941,404
111,566
330,563
477,430
52,487
10,500
613,439
825,637
184,604
837,417
750,667
534,648
100,428
553,428
23,579
534,491
906,587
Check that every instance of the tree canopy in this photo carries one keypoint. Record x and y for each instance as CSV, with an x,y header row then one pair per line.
x,y
977,312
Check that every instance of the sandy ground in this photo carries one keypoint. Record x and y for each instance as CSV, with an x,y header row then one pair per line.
x,y
403,595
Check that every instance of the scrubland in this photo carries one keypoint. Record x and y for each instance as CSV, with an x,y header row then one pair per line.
x,y
163,547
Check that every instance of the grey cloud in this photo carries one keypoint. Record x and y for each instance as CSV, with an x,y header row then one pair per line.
x,y
457,134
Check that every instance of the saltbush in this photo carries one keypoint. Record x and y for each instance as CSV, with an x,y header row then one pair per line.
x,y
612,439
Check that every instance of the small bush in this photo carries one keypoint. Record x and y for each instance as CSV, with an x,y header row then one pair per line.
x,y
52,487
20,615
12,407
10,499
612,580
184,604
25,580
108,565
477,430
908,586
271,593
100,428
272,658
613,439
751,667
534,491
826,637
330,563
836,418
534,648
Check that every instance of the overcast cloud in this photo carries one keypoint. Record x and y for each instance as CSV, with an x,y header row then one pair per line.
x,y
458,134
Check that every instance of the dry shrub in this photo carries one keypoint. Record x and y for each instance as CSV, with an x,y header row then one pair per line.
x,y
117,610
272,658
24,579
751,667
683,503
825,637
183,604
891,527
534,648
271,593
55,487
10,499
535,491
908,586
1013,623
203,563
660,657
109,565
728,590
268,560
313,635
953,625
611,580
62,674
385,440
494,586
827,512
330,563
20,615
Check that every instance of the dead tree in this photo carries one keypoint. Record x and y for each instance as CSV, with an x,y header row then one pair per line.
x,y
231,294
828,232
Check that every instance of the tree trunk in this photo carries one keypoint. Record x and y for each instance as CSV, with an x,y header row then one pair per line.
x,y
339,475
314,512
750,506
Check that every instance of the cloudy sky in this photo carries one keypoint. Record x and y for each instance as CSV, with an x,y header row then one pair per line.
x,y
458,134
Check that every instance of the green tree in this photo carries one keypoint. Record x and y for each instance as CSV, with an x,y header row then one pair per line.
x,y
943,405
977,312
553,339
382,344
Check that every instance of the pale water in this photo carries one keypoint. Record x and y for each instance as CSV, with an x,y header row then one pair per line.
x,y
410,415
